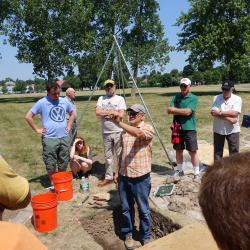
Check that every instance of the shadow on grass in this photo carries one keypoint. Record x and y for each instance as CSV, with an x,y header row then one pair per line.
x,y
204,93
19,99
33,99
162,170
98,170
43,180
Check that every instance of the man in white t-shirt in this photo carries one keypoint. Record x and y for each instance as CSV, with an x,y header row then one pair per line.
x,y
225,109
107,105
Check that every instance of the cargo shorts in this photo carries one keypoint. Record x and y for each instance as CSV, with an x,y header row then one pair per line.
x,y
56,153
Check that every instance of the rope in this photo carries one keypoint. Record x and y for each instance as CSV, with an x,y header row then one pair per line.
x,y
93,89
144,104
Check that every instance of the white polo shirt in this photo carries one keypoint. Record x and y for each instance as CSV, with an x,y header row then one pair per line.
x,y
221,126
115,102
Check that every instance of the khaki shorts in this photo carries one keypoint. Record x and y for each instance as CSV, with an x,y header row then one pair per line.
x,y
56,153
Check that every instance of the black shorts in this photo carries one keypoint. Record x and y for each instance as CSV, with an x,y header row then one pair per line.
x,y
188,141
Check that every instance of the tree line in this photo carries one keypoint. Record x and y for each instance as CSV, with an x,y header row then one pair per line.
x,y
72,39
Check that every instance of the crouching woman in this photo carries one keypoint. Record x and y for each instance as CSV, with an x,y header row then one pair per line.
x,y
80,158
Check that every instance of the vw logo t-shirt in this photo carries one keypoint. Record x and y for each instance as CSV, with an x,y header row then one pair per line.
x,y
53,113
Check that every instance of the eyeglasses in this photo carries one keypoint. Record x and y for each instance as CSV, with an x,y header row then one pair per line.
x,y
80,142
132,113
223,89
183,86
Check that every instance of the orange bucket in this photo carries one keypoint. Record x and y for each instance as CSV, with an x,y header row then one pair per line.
x,y
44,211
62,182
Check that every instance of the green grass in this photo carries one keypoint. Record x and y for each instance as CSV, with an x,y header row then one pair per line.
x,y
21,147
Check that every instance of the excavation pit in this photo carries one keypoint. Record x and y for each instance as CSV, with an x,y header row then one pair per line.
x,y
104,226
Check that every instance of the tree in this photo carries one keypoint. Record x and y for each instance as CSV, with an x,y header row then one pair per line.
x,y
39,84
145,42
188,70
197,76
57,36
5,11
20,86
4,88
39,29
217,31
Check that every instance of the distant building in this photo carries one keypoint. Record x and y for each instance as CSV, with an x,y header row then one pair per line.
x,y
10,87
30,88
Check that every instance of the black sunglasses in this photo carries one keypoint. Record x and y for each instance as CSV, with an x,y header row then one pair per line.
x,y
108,86
225,89
132,113
183,86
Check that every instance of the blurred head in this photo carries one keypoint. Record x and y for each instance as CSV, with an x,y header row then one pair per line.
x,y
185,85
225,203
81,147
227,89
53,90
136,114
109,86
71,93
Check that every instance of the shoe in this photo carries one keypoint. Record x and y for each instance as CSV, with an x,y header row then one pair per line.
x,y
51,189
144,242
197,177
75,176
129,242
203,168
105,183
178,173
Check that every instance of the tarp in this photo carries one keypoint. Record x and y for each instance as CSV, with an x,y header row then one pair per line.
x,y
18,237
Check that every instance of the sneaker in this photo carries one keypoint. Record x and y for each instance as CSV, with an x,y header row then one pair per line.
x,y
203,168
51,188
75,177
147,240
129,242
178,173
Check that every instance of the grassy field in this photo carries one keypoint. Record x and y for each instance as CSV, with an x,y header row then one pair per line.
x,y
21,147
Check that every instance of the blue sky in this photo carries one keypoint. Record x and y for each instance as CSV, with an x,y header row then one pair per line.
x,y
169,11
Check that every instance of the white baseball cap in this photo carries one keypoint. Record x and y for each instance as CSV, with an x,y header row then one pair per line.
x,y
185,81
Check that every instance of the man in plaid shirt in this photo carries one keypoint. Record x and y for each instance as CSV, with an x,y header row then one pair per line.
x,y
134,172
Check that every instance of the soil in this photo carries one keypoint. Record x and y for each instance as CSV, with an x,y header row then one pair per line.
x,y
110,223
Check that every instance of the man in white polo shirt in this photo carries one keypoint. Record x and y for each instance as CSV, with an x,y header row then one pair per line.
x,y
225,109
106,105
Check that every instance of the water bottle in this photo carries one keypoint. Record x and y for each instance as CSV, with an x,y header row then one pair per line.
x,y
84,185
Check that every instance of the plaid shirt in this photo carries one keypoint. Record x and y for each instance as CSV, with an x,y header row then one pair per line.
x,y
136,156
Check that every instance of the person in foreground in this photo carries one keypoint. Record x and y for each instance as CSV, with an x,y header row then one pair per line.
x,y
134,182
55,128
14,189
225,203
111,133
183,107
80,158
225,110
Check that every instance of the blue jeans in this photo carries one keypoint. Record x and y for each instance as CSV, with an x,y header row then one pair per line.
x,y
137,190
